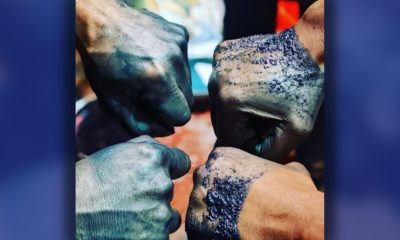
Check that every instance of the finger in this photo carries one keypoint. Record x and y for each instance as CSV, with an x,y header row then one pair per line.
x,y
175,110
181,30
182,66
178,162
298,167
181,95
213,90
278,144
183,75
136,121
175,221
232,127
141,139
165,101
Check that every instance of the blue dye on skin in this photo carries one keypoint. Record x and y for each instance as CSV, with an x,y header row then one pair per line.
x,y
284,51
224,203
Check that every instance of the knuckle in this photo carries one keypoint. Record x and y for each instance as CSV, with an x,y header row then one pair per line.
x,y
219,89
160,185
152,71
183,34
296,166
218,153
163,213
149,152
301,125
164,187
222,46
173,55
228,94
223,88
181,39
199,173
213,83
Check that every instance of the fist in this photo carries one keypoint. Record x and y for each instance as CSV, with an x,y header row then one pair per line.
x,y
265,93
124,191
240,196
137,64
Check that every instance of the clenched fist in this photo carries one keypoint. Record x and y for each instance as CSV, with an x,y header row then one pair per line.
x,y
240,196
266,92
136,63
124,191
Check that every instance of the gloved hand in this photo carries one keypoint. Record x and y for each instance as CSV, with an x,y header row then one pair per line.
x,y
240,196
137,64
124,191
265,92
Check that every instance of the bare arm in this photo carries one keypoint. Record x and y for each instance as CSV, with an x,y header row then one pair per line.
x,y
310,30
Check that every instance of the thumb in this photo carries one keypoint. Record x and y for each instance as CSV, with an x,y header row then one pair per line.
x,y
278,144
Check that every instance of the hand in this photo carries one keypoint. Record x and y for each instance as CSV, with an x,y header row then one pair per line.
x,y
124,191
137,64
240,196
265,91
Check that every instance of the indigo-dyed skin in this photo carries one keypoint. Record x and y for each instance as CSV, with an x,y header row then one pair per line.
x,y
266,91
237,195
221,186
124,191
136,63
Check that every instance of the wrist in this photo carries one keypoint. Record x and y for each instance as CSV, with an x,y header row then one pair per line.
x,y
97,213
311,217
106,225
94,17
310,31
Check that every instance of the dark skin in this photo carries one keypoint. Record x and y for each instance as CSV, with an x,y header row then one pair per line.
x,y
137,65
124,191
144,81
266,90
149,91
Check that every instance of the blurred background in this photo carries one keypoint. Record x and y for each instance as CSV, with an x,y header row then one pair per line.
x,y
208,23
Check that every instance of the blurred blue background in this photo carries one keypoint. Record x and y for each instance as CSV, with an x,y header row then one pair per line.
x,y
362,128
37,87
362,112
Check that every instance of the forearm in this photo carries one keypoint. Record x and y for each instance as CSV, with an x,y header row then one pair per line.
x,y
310,30
94,17
91,19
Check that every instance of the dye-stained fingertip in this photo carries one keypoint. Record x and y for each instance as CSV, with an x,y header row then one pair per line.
x,y
175,111
263,147
175,221
179,163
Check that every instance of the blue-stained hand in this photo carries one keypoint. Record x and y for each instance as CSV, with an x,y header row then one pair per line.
x,y
137,64
124,191
265,93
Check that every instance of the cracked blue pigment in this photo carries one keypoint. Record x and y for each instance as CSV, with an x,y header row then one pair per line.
x,y
224,198
297,69
224,202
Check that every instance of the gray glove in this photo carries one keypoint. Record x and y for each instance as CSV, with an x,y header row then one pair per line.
x,y
124,191
265,93
136,63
